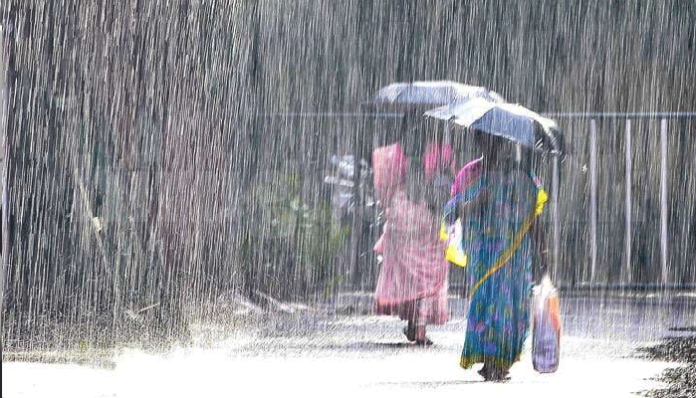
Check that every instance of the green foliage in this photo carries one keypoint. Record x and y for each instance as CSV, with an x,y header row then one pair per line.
x,y
304,240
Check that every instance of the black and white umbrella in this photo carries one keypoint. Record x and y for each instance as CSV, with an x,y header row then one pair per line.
x,y
428,94
510,121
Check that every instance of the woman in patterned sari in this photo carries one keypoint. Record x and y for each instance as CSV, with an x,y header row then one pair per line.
x,y
496,207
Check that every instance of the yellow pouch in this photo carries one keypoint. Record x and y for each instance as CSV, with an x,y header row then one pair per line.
x,y
456,256
453,253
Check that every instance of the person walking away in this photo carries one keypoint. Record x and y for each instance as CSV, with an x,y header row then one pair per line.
x,y
413,279
496,207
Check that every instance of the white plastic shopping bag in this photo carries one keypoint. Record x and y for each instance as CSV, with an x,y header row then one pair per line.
x,y
546,338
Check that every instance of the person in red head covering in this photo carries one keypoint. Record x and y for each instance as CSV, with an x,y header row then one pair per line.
x,y
413,279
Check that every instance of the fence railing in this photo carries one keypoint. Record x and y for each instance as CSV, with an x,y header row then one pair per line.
x,y
3,122
593,117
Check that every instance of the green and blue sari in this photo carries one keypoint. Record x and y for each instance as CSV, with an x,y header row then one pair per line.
x,y
500,264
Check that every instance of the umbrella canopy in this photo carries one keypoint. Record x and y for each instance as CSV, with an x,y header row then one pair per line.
x,y
510,121
429,94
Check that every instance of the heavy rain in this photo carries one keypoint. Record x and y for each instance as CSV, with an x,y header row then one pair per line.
x,y
221,198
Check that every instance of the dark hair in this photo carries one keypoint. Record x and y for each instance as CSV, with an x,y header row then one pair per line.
x,y
526,159
415,181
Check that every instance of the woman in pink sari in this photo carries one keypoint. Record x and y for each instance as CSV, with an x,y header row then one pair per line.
x,y
413,280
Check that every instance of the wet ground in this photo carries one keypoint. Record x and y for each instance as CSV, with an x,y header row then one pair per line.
x,y
315,353
681,380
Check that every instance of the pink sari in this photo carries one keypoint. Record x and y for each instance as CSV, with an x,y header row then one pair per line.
x,y
413,280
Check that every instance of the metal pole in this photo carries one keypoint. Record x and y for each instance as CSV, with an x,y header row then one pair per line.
x,y
593,199
376,227
357,212
663,199
554,213
4,99
7,70
518,153
629,186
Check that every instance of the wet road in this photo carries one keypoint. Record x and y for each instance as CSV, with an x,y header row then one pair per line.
x,y
315,354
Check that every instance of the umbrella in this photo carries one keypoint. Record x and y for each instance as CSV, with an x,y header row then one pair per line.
x,y
510,121
429,94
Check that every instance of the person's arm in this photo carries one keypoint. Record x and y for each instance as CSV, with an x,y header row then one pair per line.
x,y
463,204
541,252
379,246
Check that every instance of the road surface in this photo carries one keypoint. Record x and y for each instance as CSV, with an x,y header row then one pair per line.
x,y
319,355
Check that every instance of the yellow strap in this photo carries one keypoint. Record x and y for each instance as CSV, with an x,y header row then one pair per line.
x,y
542,198
443,232
507,254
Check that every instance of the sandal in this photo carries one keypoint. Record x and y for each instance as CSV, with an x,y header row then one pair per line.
x,y
410,334
499,376
494,374
426,342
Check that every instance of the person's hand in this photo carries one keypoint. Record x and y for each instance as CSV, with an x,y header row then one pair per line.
x,y
544,258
